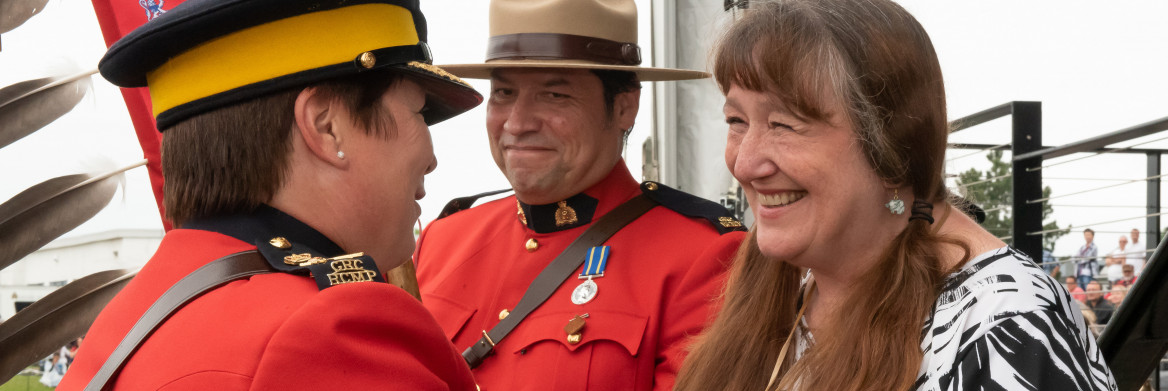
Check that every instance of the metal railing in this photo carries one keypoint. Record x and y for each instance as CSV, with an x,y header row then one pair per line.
x,y
1136,338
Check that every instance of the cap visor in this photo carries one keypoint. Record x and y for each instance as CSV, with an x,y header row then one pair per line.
x,y
446,95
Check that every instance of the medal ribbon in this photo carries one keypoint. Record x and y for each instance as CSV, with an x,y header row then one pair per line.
x,y
597,260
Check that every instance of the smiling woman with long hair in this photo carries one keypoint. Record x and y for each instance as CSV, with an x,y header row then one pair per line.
x,y
859,272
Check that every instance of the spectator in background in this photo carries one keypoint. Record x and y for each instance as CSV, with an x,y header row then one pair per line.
x,y
1049,264
1076,291
53,371
1137,253
71,350
1095,301
1115,260
1117,294
1086,259
1129,276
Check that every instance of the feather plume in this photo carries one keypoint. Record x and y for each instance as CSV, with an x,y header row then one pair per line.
x,y
14,13
41,213
27,106
43,327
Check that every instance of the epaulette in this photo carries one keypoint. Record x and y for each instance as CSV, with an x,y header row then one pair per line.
x,y
288,257
693,206
463,203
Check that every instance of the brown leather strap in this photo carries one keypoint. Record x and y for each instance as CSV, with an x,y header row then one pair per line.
x,y
549,46
556,272
210,276
463,203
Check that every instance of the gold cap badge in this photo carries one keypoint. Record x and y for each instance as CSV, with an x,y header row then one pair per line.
x,y
368,60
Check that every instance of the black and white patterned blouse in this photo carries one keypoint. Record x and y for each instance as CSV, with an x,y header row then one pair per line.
x,y
1001,323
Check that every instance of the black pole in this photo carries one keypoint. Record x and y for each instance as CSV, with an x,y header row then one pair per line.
x,y
1152,229
1027,184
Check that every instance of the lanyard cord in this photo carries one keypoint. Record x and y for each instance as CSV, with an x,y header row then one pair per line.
x,y
790,336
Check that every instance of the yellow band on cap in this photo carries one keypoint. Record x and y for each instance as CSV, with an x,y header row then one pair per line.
x,y
278,48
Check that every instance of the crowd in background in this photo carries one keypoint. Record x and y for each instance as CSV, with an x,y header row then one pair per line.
x,y
1100,282
53,368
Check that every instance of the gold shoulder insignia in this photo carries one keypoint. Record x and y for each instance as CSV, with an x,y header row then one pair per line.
x,y
729,222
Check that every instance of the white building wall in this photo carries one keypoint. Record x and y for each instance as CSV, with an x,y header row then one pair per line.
x,y
68,259
691,133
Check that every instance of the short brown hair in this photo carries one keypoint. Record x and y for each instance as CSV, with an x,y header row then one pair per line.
x,y
233,159
615,83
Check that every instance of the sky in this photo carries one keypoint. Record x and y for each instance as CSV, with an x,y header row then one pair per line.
x,y
1095,66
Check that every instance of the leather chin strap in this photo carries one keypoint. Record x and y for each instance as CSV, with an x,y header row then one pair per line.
x,y
556,272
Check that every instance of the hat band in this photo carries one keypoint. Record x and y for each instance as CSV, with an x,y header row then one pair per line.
x,y
280,48
550,46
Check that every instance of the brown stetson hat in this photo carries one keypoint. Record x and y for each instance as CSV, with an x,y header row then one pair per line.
x,y
580,34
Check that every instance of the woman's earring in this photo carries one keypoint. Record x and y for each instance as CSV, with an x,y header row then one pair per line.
x,y
341,155
896,206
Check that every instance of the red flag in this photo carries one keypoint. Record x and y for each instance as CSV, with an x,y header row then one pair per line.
x,y
118,18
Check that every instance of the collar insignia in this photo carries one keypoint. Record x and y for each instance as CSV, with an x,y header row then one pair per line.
x,y
565,214
576,211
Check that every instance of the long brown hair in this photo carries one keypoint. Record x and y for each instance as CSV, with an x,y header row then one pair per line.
x,y
875,59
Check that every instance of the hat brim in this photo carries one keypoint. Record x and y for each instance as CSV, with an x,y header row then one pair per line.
x,y
446,96
483,71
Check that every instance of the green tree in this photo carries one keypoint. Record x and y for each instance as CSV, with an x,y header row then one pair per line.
x,y
991,190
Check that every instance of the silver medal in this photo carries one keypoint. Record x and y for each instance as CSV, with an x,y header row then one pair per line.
x,y
584,292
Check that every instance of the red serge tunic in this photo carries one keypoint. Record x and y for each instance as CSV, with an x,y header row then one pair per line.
x,y
275,331
663,274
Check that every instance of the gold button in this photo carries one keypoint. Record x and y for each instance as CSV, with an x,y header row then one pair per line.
x,y
651,186
368,60
503,314
574,338
280,243
532,245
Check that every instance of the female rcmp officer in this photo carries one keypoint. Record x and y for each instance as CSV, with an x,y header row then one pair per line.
x,y
296,139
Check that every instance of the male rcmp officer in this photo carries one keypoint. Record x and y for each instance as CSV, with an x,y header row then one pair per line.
x,y
299,129
564,91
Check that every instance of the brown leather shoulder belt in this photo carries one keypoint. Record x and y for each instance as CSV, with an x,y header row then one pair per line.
x,y
208,277
249,263
556,272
